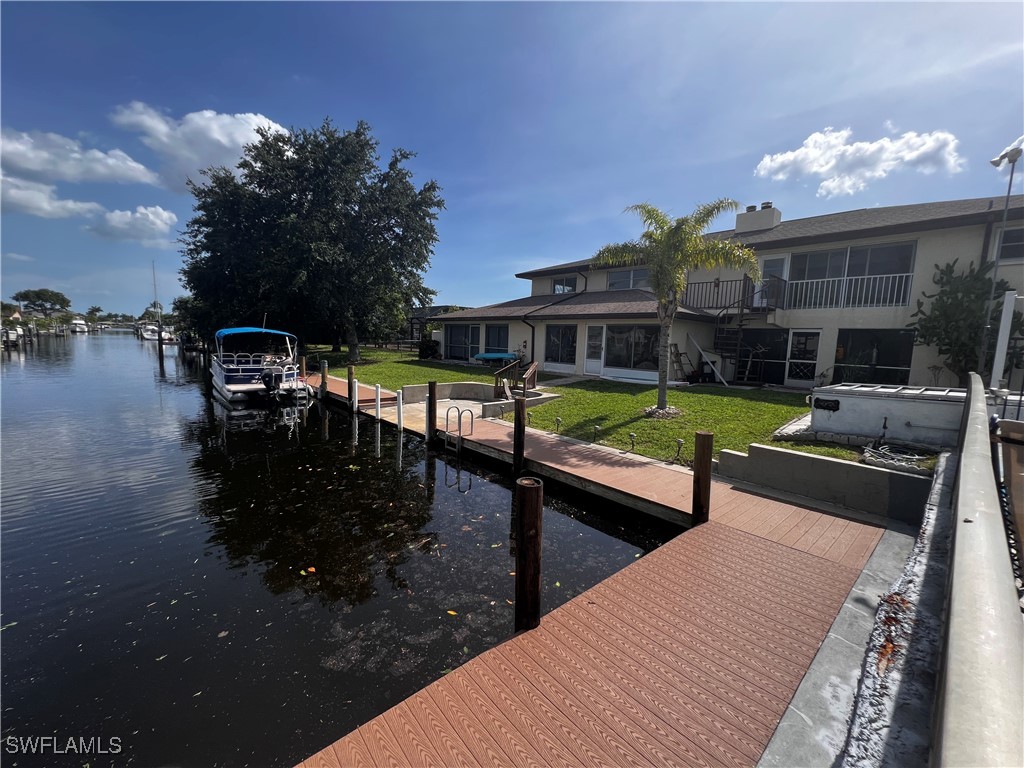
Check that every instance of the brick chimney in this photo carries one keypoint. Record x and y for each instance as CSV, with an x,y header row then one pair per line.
x,y
753,220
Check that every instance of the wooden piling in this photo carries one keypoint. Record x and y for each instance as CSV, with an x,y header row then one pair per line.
x,y
323,380
519,438
430,426
302,367
529,501
353,387
398,414
703,446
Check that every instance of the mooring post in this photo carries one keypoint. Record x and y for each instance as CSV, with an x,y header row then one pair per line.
x,y
376,401
302,367
430,425
325,423
704,443
353,387
323,380
529,501
398,412
519,438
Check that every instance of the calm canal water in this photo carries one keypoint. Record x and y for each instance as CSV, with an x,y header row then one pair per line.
x,y
196,590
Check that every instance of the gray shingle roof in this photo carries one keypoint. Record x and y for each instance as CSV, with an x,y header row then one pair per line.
x,y
879,221
630,303
865,222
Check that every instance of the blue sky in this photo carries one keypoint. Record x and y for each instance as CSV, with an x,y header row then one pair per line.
x,y
540,121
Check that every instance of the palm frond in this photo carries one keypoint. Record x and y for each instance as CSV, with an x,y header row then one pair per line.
x,y
653,217
621,254
709,254
706,213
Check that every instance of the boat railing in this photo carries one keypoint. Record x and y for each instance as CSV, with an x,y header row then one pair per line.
x,y
242,359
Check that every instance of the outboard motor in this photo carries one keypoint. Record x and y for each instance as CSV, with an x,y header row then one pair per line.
x,y
270,380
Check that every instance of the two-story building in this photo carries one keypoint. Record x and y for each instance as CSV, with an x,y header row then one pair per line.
x,y
834,303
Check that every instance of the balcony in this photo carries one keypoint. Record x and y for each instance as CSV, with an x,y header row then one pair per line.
x,y
850,292
743,293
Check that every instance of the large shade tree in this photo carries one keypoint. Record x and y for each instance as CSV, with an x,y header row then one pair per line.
x,y
45,301
311,233
670,248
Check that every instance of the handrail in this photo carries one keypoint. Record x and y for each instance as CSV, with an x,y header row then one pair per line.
x,y
530,378
979,714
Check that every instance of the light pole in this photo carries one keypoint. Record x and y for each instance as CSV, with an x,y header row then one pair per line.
x,y
1011,155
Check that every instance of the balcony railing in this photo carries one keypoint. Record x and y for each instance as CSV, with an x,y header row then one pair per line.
x,y
843,292
719,294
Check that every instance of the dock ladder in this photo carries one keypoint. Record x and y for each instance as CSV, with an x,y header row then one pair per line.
x,y
454,441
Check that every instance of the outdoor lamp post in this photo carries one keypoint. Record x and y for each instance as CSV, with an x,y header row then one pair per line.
x,y
1011,155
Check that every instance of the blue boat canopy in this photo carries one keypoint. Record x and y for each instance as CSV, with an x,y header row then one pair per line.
x,y
223,332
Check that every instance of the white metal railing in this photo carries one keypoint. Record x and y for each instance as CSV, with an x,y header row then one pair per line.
x,y
839,292
242,359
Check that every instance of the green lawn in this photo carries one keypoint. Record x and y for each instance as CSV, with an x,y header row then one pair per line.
x,y
738,417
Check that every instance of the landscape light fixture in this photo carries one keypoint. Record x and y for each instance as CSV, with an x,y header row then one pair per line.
x,y
558,423
596,430
679,448
632,441
1010,155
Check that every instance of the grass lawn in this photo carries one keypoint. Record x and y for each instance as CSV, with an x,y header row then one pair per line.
x,y
738,417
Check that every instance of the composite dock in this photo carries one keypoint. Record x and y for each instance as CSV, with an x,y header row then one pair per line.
x,y
689,656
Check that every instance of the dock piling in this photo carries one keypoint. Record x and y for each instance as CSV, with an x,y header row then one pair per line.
x,y
353,386
302,366
323,380
430,425
703,446
519,438
398,413
376,401
529,501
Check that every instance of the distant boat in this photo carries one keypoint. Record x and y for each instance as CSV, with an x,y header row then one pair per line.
x,y
79,326
256,363
149,333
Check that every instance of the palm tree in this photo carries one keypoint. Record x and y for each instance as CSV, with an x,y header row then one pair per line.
x,y
94,311
669,249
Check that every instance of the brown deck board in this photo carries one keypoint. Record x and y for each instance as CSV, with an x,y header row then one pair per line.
x,y
689,656
667,662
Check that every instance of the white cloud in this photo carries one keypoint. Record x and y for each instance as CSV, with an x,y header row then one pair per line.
x,y
846,168
41,200
52,157
17,257
148,225
196,141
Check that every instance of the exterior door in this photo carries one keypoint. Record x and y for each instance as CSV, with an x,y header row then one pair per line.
x,y
595,349
803,358
774,267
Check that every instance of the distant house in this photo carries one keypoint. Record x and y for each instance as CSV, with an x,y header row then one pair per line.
x,y
420,317
836,295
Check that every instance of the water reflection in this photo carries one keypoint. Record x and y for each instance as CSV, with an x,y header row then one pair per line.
x,y
228,588
335,508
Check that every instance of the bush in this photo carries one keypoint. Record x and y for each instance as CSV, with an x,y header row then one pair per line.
x,y
429,349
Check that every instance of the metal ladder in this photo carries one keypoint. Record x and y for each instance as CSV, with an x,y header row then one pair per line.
x,y
454,441
677,362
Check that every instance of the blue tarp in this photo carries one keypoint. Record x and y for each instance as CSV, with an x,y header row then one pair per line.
x,y
232,331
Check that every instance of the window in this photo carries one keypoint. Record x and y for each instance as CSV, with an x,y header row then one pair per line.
x,y
859,276
561,344
496,338
461,342
818,265
1012,245
563,285
873,356
623,279
632,346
